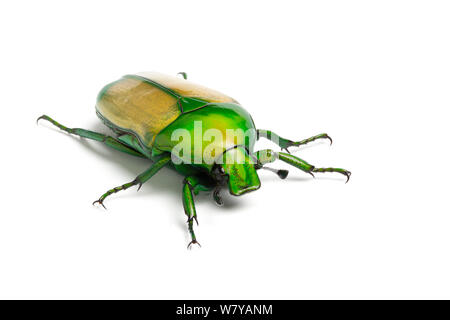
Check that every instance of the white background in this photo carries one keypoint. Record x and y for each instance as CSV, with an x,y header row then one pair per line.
x,y
375,75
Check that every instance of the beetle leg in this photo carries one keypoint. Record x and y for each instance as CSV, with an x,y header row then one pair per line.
x,y
284,144
189,210
183,74
265,156
196,184
316,137
108,140
308,168
268,156
114,190
140,179
338,170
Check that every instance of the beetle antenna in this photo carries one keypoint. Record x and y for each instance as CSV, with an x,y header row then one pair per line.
x,y
279,172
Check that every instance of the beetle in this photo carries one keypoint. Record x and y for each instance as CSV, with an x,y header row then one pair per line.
x,y
151,114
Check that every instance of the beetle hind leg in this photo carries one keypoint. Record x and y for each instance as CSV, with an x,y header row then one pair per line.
x,y
108,140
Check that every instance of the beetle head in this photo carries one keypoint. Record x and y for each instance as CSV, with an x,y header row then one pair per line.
x,y
237,169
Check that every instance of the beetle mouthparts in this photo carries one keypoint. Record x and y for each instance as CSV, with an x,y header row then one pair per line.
x,y
217,198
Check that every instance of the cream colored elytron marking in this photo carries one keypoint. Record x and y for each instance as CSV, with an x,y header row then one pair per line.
x,y
186,88
136,105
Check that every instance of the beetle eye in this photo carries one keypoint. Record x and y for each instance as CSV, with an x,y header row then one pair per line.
x,y
219,171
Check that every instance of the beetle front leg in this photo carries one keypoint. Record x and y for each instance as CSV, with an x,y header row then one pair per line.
x,y
308,168
268,156
140,179
189,209
284,144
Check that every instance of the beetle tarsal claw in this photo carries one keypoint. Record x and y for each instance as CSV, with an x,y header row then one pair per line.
x,y
328,137
192,218
347,174
100,202
193,242
41,117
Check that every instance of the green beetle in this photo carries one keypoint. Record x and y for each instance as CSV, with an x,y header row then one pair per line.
x,y
203,134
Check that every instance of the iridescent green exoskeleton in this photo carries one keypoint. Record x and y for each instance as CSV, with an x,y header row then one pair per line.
x,y
203,134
